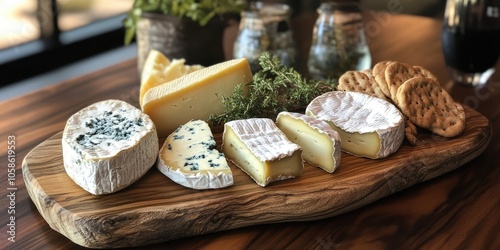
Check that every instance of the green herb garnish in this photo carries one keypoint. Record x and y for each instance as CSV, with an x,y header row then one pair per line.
x,y
274,88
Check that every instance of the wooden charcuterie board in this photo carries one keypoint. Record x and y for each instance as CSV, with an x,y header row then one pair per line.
x,y
155,209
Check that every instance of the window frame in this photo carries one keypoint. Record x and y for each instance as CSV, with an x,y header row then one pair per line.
x,y
54,49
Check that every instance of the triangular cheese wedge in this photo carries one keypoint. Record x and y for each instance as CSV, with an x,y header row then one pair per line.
x,y
194,96
189,157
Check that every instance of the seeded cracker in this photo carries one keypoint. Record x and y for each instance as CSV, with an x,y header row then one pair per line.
x,y
379,75
429,106
360,82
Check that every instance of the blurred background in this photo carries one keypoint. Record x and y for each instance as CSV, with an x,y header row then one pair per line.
x,y
39,36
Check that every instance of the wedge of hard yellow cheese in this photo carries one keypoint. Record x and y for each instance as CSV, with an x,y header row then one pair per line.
x,y
194,96
158,69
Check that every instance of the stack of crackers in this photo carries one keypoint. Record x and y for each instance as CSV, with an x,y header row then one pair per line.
x,y
415,91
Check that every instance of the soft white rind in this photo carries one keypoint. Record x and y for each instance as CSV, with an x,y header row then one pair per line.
x,y
208,180
265,141
321,127
356,112
107,170
263,138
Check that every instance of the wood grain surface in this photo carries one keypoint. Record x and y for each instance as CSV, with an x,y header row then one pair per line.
x,y
456,210
162,210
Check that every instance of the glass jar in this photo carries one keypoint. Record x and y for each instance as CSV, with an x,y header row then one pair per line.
x,y
338,42
266,27
252,38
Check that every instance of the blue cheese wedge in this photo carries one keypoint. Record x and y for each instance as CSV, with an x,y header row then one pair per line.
x,y
319,142
189,157
108,145
261,150
368,126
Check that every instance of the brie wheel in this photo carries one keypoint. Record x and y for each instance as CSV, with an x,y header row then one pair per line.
x,y
368,126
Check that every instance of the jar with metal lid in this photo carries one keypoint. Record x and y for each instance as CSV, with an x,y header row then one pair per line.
x,y
266,27
338,42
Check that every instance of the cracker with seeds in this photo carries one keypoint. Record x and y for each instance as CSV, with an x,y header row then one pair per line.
x,y
378,73
429,106
360,82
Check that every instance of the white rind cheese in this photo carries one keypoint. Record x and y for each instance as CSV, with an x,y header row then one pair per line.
x,y
108,145
319,142
261,150
189,157
368,126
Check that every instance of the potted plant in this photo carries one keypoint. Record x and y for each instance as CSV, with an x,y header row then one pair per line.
x,y
190,29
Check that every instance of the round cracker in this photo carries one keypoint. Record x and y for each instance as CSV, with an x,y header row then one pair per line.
x,y
378,73
461,111
360,82
368,72
411,132
396,74
426,73
429,106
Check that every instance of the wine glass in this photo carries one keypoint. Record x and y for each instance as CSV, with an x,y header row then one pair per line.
x,y
471,39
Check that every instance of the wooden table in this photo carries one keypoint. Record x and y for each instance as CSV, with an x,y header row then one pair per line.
x,y
457,210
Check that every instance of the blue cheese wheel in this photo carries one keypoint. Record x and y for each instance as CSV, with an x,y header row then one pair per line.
x,y
108,145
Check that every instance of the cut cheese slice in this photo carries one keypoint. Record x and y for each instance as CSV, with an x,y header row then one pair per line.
x,y
319,142
368,126
158,69
189,157
108,145
194,96
261,150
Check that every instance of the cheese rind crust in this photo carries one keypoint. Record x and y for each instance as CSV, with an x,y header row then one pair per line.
x,y
108,145
319,142
189,157
360,120
261,150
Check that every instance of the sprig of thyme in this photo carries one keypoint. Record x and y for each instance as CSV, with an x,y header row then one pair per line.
x,y
274,88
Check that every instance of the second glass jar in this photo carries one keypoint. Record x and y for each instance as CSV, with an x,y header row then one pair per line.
x,y
338,42
266,27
